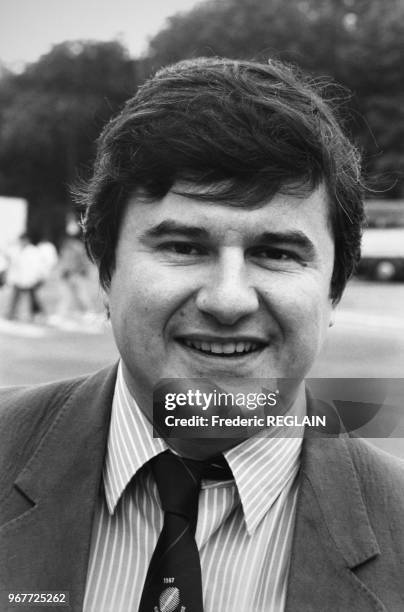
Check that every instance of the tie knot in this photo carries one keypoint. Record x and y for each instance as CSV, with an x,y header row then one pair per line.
x,y
178,483
179,479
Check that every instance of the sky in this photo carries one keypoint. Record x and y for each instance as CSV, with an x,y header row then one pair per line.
x,y
29,28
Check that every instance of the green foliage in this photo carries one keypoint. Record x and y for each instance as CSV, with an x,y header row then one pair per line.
x,y
52,113
359,43
50,117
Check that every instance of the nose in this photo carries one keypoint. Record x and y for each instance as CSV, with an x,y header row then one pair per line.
x,y
227,295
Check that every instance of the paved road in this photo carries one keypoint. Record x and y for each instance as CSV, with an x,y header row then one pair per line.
x,y
368,337
367,341
34,354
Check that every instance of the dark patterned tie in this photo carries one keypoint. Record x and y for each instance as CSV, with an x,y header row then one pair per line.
x,y
173,582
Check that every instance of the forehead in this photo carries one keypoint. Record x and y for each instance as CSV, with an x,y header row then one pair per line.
x,y
308,214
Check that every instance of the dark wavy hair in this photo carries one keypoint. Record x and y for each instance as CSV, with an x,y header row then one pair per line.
x,y
241,132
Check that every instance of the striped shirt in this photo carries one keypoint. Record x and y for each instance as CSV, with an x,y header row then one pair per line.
x,y
244,528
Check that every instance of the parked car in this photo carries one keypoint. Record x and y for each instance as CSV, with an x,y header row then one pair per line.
x,y
382,254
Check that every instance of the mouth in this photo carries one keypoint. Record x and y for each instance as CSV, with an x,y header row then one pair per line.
x,y
229,349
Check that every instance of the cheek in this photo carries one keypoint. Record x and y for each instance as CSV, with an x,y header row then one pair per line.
x,y
313,312
301,308
144,297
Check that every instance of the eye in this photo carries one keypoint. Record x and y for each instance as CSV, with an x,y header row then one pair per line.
x,y
273,253
179,247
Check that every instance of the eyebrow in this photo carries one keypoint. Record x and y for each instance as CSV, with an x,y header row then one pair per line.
x,y
174,227
289,237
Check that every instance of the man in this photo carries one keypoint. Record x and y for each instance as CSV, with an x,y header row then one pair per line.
x,y
25,275
224,215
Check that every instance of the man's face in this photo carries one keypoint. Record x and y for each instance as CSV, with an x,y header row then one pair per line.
x,y
204,289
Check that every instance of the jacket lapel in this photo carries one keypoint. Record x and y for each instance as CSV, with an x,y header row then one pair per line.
x,y
58,488
332,533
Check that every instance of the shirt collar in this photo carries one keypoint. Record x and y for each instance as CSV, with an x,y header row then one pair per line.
x,y
262,466
130,443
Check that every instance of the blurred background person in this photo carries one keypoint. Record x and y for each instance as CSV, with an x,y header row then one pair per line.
x,y
49,256
25,276
74,277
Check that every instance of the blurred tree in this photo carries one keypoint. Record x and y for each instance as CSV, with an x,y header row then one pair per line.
x,y
359,43
50,116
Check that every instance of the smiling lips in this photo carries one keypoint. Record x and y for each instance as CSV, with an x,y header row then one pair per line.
x,y
228,348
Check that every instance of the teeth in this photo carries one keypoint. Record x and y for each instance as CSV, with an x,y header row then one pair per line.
x,y
219,348
215,347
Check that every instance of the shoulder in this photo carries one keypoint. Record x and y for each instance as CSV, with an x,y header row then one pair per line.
x,y
67,412
21,403
369,459
376,470
380,474
26,413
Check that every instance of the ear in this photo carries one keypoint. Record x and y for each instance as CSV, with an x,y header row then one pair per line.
x,y
332,316
105,301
